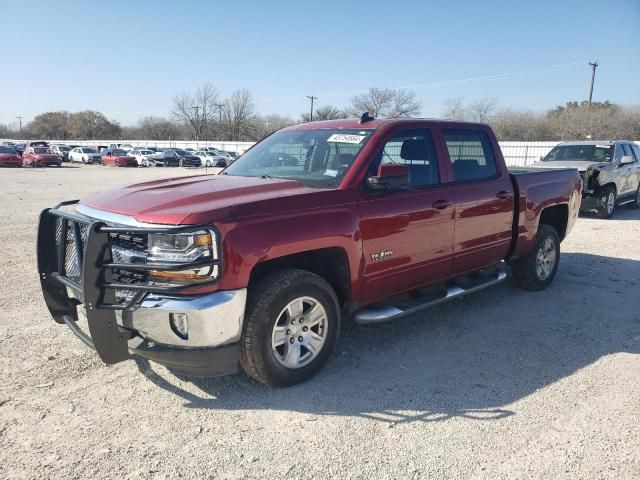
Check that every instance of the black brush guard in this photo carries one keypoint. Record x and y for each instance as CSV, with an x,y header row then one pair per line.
x,y
93,284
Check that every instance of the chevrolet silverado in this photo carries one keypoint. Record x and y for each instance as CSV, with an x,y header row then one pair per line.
x,y
254,268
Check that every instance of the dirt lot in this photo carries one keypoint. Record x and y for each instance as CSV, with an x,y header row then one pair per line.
x,y
503,384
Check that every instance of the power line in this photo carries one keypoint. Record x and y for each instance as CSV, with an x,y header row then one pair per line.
x,y
449,83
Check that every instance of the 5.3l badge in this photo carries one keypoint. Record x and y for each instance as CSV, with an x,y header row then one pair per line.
x,y
381,255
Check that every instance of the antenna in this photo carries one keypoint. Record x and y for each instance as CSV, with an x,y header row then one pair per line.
x,y
366,117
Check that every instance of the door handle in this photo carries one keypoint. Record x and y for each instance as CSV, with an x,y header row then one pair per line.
x,y
503,195
441,204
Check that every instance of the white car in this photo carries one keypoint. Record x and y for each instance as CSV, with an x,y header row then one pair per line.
x,y
211,159
85,155
141,155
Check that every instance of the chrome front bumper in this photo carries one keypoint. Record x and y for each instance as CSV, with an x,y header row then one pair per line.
x,y
212,320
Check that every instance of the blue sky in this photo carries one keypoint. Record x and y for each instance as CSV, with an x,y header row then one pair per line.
x,y
128,58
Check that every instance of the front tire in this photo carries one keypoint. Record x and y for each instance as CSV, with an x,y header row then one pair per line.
x,y
536,270
291,327
608,198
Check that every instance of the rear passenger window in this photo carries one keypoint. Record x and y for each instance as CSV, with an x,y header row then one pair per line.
x,y
471,154
414,148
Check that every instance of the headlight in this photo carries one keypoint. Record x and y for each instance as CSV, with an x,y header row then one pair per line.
x,y
197,247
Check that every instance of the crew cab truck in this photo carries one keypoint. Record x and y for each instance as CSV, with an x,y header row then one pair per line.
x,y
256,267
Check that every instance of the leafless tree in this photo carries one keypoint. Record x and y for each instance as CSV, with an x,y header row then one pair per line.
x,y
405,104
158,128
326,112
197,110
237,110
454,109
259,127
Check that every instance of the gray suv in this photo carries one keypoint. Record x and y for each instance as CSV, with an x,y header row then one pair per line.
x,y
609,169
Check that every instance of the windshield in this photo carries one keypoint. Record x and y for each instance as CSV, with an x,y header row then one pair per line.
x,y
317,158
145,152
89,150
118,153
580,153
7,149
41,150
181,152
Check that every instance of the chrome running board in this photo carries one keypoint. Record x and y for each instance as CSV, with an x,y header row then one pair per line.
x,y
384,314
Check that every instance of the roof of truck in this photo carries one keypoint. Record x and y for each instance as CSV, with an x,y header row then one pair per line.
x,y
595,142
354,123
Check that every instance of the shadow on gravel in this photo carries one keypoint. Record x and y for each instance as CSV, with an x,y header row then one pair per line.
x,y
623,212
471,358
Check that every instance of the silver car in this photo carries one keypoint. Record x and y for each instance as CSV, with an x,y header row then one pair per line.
x,y
610,171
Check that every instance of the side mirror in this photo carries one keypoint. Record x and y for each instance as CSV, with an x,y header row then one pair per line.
x,y
389,177
626,160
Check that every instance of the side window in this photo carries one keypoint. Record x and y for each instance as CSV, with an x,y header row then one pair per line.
x,y
414,148
628,151
636,151
619,153
471,154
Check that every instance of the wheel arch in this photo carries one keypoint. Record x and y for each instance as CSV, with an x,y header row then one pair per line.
x,y
330,263
556,216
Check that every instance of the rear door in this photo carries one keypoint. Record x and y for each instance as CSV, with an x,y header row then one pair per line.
x,y
484,199
407,234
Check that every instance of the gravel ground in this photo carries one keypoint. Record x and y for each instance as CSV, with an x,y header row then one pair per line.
x,y
502,384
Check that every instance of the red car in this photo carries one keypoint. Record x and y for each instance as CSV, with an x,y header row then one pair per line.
x,y
256,267
119,158
9,157
40,157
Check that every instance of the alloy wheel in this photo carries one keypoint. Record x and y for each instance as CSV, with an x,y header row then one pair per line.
x,y
546,259
299,333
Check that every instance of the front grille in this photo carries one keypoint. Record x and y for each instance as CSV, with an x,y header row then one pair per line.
x,y
72,252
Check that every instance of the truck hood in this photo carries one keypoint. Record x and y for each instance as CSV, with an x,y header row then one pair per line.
x,y
197,199
582,166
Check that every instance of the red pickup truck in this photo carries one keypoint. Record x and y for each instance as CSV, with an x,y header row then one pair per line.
x,y
256,267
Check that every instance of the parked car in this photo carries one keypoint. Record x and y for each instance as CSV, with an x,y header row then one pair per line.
x,y
119,158
20,148
84,155
255,268
211,159
120,146
62,151
187,159
40,157
610,171
141,154
163,158
9,156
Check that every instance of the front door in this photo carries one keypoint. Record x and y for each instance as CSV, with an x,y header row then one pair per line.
x,y
407,234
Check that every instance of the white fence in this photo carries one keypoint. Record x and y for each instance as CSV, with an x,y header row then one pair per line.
x,y
516,154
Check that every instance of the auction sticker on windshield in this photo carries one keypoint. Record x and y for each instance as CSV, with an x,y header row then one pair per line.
x,y
345,138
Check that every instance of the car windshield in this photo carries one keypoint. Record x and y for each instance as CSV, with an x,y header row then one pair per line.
x,y
145,152
6,149
64,149
580,153
89,150
41,150
181,152
118,153
317,158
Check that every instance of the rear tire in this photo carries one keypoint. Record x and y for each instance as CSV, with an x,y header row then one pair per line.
x,y
536,270
636,201
608,198
279,349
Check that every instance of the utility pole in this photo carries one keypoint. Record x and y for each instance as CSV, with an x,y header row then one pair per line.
x,y
219,106
594,65
20,121
197,109
312,98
